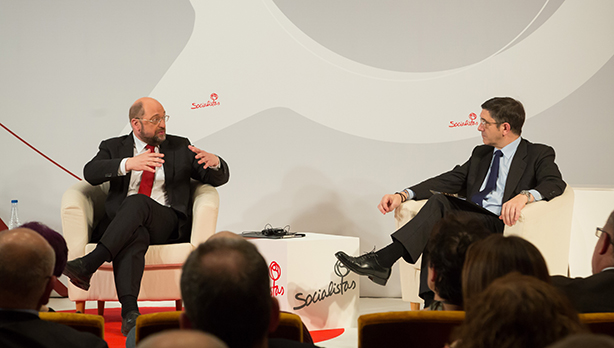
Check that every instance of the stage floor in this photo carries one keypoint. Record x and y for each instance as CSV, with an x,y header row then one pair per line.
x,y
349,339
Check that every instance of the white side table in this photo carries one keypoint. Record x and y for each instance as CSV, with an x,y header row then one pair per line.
x,y
307,279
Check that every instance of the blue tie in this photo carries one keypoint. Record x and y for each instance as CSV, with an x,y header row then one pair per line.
x,y
492,180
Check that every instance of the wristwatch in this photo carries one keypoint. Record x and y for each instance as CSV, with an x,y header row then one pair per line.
x,y
526,193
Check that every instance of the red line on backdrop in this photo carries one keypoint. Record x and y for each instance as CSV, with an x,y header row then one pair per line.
x,y
40,153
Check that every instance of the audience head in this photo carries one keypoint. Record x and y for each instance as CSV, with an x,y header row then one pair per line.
x,y
26,267
517,311
225,288
506,110
57,242
446,251
182,339
603,255
496,256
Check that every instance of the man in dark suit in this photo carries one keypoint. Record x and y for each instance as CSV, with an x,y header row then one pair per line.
x,y
26,274
499,179
225,286
594,294
148,202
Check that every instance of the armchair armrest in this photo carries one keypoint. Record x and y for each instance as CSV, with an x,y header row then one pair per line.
x,y
204,213
547,224
81,207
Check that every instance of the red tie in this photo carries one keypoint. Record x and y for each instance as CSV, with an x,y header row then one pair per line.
x,y
147,178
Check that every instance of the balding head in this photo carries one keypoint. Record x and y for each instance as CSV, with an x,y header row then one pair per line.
x,y
182,339
26,266
142,113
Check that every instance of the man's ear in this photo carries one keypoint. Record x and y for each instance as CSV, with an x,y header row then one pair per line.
x,y
274,319
432,274
44,299
135,123
184,322
506,128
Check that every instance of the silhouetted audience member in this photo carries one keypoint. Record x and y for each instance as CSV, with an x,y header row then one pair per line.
x,y
58,243
496,256
446,249
26,277
594,294
226,291
182,339
517,311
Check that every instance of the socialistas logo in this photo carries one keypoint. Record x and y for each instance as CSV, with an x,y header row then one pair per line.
x,y
471,121
333,288
211,102
275,274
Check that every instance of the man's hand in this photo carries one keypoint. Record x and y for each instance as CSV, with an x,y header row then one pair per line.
x,y
147,161
510,210
209,159
389,203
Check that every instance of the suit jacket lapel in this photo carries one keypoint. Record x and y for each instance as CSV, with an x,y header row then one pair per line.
x,y
127,150
517,168
481,174
169,160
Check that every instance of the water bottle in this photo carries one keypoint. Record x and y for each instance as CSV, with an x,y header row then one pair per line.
x,y
14,222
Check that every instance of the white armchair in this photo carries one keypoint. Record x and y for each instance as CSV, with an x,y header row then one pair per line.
x,y
83,206
545,224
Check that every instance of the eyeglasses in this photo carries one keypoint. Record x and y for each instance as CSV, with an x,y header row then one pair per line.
x,y
485,123
600,231
156,120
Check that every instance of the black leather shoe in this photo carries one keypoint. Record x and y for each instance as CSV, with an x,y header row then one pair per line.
x,y
75,271
129,322
367,265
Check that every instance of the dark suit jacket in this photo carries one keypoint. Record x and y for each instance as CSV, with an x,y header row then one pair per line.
x,y
20,329
591,294
532,167
180,165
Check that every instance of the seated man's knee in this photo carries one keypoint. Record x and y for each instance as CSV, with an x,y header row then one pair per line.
x,y
135,203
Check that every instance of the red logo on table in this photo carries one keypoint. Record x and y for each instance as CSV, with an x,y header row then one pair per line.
x,y
471,121
211,102
275,274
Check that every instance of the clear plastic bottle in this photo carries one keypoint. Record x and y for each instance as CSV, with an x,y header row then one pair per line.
x,y
14,222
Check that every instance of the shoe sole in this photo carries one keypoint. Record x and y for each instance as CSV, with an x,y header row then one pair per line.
x,y
376,280
75,280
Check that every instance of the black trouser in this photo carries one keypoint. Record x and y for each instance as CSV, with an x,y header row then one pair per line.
x,y
139,222
414,235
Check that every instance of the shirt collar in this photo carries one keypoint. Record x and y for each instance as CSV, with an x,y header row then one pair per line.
x,y
510,149
139,145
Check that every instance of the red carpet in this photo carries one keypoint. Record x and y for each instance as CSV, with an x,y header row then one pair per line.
x,y
115,339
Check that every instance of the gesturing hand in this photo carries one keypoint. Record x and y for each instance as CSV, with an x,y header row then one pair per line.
x,y
147,162
209,159
389,203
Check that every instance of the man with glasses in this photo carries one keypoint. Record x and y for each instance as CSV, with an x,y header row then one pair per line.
x,y
499,179
594,294
148,203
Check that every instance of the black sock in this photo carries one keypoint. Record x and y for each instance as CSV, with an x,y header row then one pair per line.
x,y
128,304
390,254
96,258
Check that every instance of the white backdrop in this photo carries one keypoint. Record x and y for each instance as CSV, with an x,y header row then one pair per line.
x,y
319,108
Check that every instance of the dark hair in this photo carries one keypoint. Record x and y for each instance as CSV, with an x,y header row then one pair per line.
x,y
496,256
506,109
57,242
517,311
446,251
136,110
225,287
